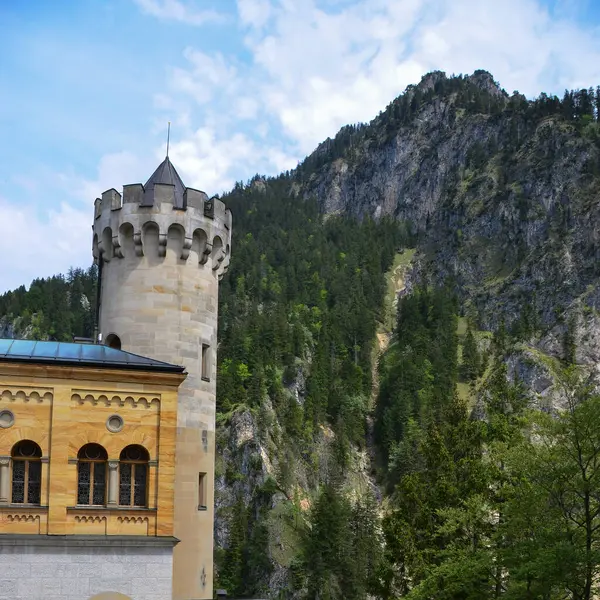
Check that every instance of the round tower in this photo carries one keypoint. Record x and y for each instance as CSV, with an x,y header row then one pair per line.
x,y
161,249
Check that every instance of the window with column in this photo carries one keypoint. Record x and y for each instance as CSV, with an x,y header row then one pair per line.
x,y
91,475
26,481
133,476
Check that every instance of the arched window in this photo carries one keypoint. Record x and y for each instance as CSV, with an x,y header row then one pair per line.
x,y
26,473
91,475
133,476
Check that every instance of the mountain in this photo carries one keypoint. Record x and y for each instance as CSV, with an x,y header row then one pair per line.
x,y
498,195
394,309
503,191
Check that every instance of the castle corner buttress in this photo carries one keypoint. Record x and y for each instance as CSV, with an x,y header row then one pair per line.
x,y
107,449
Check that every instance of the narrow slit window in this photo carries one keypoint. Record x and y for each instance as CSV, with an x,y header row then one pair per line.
x,y
202,491
206,362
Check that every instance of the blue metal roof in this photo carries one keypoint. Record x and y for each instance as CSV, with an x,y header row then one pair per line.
x,y
65,353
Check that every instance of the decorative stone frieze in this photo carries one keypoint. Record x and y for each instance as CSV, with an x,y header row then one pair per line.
x,y
25,394
126,399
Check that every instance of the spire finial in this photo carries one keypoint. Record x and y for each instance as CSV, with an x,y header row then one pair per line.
x,y
168,137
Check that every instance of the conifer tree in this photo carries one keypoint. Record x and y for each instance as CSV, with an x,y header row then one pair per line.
x,y
471,361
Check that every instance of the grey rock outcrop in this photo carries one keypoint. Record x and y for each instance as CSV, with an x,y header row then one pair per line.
x,y
505,204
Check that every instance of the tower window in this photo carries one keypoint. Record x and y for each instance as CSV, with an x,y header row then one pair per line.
x,y
133,476
91,475
113,341
26,473
201,491
205,362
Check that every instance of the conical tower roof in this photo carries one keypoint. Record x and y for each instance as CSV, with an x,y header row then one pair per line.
x,y
166,174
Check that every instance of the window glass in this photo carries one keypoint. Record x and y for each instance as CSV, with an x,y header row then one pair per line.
x,y
91,475
26,473
133,476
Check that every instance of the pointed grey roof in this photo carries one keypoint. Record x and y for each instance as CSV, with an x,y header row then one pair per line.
x,y
165,173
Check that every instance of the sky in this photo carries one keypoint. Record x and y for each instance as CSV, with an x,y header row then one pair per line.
x,y
87,88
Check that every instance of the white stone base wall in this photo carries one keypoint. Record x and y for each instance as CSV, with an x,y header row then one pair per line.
x,y
80,573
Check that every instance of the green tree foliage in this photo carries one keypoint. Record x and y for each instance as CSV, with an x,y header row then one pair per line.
x,y
342,549
57,308
553,511
418,375
302,299
471,359
301,291
504,507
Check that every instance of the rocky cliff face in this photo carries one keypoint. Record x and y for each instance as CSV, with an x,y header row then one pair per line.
x,y
503,193
505,198
265,485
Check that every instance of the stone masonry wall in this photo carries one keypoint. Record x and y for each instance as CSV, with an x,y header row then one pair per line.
x,y
75,573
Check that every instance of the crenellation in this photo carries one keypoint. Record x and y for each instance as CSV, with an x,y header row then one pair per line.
x,y
163,194
209,209
195,199
119,229
133,193
218,210
111,200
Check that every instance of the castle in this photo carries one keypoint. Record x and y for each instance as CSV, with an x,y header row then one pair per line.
x,y
107,450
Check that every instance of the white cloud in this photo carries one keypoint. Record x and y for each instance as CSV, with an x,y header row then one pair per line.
x,y
518,42
34,245
40,242
211,164
322,70
316,65
173,10
255,12
207,75
114,171
246,108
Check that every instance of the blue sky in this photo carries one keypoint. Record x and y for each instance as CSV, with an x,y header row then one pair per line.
x,y
87,88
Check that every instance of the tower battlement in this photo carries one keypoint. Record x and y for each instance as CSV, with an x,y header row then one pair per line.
x,y
128,225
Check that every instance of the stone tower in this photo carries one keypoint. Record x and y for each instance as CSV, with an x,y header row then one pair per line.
x,y
161,249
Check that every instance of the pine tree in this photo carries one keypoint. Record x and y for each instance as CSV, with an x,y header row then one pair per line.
x,y
569,341
471,361
327,546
